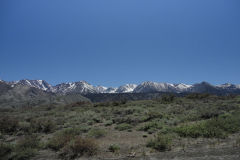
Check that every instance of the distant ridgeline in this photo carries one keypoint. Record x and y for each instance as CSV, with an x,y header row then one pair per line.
x,y
39,92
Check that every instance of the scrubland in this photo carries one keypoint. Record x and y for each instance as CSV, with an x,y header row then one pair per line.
x,y
163,126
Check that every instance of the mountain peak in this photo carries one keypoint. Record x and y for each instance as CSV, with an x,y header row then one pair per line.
x,y
126,88
40,84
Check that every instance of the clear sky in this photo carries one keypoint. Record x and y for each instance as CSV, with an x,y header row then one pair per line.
x,y
113,42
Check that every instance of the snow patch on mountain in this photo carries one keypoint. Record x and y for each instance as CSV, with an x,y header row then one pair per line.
x,y
226,85
76,87
40,84
64,87
182,87
111,90
154,87
127,88
101,89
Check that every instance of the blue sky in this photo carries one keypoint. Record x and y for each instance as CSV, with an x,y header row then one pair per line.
x,y
113,42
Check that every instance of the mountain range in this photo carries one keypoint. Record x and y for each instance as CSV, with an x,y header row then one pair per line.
x,y
83,87
24,93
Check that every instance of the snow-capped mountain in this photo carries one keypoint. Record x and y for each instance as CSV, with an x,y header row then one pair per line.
x,y
76,87
111,90
228,86
40,84
83,87
101,89
182,87
154,87
225,85
128,88
64,87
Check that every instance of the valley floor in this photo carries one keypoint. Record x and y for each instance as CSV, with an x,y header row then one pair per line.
x,y
197,126
223,151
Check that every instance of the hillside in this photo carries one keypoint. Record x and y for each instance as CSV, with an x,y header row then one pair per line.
x,y
25,96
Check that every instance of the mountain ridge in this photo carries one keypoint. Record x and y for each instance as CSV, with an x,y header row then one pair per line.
x,y
84,87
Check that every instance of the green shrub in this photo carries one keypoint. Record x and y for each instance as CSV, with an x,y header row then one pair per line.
x,y
44,125
199,130
208,113
126,119
230,123
57,142
8,124
97,133
102,104
114,148
82,129
121,102
150,127
5,150
166,130
116,103
108,123
238,142
128,111
25,127
197,95
160,143
23,154
166,98
60,139
97,119
25,148
80,146
215,127
31,141
123,126
151,115
77,104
